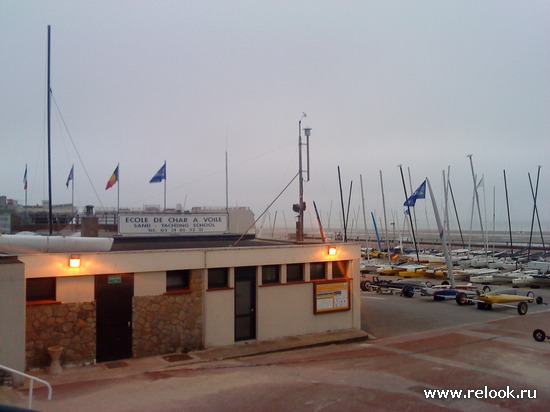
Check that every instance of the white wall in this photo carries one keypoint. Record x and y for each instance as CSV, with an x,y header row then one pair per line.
x,y
75,289
12,316
149,283
219,318
287,310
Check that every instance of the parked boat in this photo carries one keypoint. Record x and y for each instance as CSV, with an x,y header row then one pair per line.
x,y
413,271
390,269
466,274
501,277
439,271
533,280
505,264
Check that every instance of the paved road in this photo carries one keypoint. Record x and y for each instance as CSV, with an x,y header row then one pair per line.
x,y
385,316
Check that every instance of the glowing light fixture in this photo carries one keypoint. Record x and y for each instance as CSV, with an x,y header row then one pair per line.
x,y
74,262
332,250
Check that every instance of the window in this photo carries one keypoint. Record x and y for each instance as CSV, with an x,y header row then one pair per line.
x,y
177,280
218,278
317,271
270,274
41,289
295,272
339,269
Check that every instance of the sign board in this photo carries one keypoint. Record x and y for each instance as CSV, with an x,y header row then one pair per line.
x,y
114,279
172,224
5,223
331,296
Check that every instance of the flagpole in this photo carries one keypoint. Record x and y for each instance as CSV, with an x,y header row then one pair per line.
x,y
72,198
165,185
25,187
118,193
409,213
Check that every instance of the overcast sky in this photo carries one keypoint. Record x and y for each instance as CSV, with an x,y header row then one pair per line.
x,y
419,83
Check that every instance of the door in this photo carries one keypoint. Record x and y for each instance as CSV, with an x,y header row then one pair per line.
x,y
245,303
113,295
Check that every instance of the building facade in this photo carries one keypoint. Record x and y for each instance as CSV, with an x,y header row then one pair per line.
x,y
138,303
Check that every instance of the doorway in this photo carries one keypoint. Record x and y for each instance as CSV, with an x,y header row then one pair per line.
x,y
113,296
245,303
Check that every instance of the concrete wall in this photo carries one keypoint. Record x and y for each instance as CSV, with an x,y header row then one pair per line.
x,y
288,310
75,289
12,315
219,318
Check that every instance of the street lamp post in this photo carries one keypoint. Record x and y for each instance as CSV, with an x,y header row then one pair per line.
x,y
301,206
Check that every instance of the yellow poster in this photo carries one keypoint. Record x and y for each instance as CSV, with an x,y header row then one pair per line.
x,y
331,296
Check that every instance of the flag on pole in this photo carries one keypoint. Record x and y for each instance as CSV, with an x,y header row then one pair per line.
x,y
113,179
160,175
25,179
419,193
70,177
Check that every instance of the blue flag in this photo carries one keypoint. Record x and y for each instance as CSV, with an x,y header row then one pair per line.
x,y
160,175
419,193
70,177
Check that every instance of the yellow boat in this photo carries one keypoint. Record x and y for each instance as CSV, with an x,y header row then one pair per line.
x,y
437,272
485,301
390,269
504,298
413,271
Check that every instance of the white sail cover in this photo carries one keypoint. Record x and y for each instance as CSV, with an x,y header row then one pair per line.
x,y
18,244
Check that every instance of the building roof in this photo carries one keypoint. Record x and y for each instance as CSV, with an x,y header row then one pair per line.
x,y
124,243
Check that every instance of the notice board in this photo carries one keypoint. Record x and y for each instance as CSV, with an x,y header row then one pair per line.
x,y
331,296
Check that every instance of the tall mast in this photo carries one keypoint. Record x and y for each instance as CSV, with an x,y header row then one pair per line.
x,y
385,219
476,198
508,210
50,215
364,216
442,237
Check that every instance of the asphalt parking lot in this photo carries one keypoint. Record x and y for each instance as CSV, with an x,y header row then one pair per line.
x,y
385,315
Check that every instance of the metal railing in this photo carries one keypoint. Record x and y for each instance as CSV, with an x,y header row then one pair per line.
x,y
32,379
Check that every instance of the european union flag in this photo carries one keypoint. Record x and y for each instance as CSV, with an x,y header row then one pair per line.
x,y
419,193
160,175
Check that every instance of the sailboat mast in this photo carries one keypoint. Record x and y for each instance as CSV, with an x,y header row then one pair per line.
x,y
476,198
50,215
364,215
508,210
456,213
343,210
442,237
385,219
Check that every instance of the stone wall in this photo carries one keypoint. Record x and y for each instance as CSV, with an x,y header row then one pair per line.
x,y
71,325
168,323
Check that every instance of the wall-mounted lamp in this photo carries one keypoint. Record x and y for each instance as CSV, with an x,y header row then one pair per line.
x,y
74,262
332,250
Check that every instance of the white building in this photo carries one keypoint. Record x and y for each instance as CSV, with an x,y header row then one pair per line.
x,y
175,297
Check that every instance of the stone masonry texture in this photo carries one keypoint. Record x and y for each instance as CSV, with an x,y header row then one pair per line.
x,y
71,325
